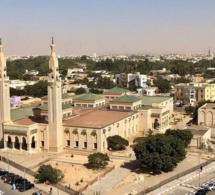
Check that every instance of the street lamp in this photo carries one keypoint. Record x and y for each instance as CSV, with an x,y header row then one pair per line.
x,y
57,178
200,168
24,179
8,162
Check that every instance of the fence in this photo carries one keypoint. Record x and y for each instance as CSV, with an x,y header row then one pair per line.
x,y
147,190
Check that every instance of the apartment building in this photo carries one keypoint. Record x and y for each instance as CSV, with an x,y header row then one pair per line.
x,y
193,93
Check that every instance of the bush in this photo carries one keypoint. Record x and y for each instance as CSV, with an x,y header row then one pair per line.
x,y
97,160
116,142
47,172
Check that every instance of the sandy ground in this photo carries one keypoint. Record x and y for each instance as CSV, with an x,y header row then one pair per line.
x,y
77,173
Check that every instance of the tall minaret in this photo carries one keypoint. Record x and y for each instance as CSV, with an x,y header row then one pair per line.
x,y
54,103
4,93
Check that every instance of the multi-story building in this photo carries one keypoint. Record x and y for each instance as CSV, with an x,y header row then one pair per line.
x,y
193,93
130,79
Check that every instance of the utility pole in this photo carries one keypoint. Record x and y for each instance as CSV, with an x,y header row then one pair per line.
x,y
24,179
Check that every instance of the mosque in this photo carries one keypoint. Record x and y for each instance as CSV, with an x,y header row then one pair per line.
x,y
56,125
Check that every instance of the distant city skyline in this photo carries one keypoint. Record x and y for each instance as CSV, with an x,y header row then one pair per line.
x,y
106,26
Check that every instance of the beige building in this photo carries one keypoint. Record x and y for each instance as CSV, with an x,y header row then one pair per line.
x,y
206,115
193,93
55,124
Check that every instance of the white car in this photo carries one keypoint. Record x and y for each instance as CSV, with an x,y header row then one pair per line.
x,y
211,186
2,193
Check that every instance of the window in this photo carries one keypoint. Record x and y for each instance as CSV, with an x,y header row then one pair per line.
x,y
114,107
85,144
95,145
76,144
127,108
121,107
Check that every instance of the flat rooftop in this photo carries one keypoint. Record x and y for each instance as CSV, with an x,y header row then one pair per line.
x,y
149,100
21,112
97,118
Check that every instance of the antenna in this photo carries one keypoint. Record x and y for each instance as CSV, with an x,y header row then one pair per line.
x,y
52,40
0,42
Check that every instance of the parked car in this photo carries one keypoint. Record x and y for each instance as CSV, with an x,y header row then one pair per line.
x,y
6,175
3,172
210,186
201,191
37,193
20,185
26,187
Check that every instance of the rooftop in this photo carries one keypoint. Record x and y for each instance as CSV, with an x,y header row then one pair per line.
x,y
88,97
126,98
149,100
24,121
21,112
45,107
97,118
64,96
116,90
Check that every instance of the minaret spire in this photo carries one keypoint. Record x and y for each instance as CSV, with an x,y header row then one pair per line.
x,y
4,93
54,103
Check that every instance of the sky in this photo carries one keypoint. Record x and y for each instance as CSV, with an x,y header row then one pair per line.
x,y
82,27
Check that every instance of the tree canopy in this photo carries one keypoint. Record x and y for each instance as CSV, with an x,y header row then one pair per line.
x,y
162,84
97,160
80,91
160,152
47,172
116,142
184,135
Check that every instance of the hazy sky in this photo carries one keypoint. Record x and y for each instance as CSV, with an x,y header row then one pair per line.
x,y
107,26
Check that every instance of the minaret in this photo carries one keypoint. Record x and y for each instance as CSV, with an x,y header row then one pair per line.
x,y
209,52
4,93
54,103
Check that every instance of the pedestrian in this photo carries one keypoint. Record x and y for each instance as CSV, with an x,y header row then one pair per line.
x,y
50,190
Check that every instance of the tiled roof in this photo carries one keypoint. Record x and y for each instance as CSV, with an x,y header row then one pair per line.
x,y
117,90
126,98
45,107
149,100
88,97
21,112
64,96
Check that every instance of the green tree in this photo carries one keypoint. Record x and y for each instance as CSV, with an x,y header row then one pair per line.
x,y
184,135
80,91
37,90
116,142
47,172
96,91
97,160
189,109
160,152
105,83
162,84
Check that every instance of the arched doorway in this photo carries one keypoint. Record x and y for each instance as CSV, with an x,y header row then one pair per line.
x,y
17,145
9,142
156,124
67,136
24,144
33,144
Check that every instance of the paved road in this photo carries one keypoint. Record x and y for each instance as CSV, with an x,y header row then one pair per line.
x,y
188,183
